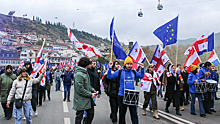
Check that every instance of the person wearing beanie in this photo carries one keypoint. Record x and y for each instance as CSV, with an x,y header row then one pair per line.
x,y
150,88
204,73
126,81
6,80
17,90
192,79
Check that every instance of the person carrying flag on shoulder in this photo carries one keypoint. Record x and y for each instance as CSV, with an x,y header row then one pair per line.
x,y
193,78
126,81
149,84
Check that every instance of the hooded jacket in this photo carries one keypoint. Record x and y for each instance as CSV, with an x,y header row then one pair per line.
x,y
94,79
127,79
6,80
191,80
202,72
82,90
18,88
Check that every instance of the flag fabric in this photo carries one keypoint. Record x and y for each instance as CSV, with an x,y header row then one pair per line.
x,y
89,49
43,81
116,46
192,58
72,66
55,64
38,62
21,64
146,82
159,59
137,55
167,33
203,44
61,65
213,58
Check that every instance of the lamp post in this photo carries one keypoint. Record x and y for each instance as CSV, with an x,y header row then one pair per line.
x,y
11,14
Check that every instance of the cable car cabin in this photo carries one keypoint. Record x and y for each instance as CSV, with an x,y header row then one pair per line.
x,y
140,14
159,6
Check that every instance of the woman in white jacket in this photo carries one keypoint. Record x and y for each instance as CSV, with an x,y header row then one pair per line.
x,y
18,89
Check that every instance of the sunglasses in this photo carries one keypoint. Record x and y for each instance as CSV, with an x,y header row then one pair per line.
x,y
129,63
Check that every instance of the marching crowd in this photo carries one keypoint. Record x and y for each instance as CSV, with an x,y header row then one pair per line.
x,y
19,90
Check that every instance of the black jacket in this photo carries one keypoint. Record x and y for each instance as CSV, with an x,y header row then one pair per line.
x,y
94,79
171,82
111,86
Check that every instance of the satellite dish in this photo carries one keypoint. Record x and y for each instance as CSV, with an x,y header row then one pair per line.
x,y
159,6
140,14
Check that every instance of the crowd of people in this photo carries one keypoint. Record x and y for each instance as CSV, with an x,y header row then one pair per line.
x,y
179,87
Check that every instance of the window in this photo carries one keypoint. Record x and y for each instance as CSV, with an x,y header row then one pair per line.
x,y
7,55
12,55
3,55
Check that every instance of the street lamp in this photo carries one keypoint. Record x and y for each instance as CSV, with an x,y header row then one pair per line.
x,y
11,14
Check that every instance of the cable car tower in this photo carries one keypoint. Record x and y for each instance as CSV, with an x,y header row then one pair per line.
x,y
159,6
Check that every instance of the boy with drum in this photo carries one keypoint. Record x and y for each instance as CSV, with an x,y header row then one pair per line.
x,y
127,79
194,78
149,84
204,73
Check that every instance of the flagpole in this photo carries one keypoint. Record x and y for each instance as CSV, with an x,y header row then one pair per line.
x,y
112,44
177,52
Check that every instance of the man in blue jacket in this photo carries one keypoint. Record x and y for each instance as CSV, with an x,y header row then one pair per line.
x,y
204,73
192,79
126,81
67,80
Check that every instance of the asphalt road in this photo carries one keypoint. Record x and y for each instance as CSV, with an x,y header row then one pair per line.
x,y
58,112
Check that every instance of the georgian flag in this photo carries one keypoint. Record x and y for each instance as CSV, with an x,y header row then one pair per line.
x,y
213,58
21,64
43,81
89,49
38,64
159,59
137,55
192,58
203,44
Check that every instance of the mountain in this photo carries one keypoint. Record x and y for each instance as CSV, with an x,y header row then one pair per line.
x,y
54,31
192,40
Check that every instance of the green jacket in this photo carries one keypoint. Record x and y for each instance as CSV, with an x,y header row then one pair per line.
x,y
82,90
6,80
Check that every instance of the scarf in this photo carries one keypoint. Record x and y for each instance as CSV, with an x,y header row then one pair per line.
x,y
27,78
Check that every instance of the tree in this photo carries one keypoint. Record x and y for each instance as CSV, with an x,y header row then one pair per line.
x,y
40,42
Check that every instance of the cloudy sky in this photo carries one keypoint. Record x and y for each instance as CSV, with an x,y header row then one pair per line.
x,y
195,16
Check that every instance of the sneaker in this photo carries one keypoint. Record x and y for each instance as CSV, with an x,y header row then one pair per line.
x,y
35,113
181,108
193,113
64,99
212,110
68,100
24,118
202,115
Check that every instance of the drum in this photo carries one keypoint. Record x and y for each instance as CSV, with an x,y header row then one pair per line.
x,y
131,97
200,87
211,85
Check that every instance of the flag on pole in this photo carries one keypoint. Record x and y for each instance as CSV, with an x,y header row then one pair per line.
x,y
117,48
38,62
203,44
159,59
192,58
167,33
43,81
55,64
89,49
98,65
137,55
213,58
21,64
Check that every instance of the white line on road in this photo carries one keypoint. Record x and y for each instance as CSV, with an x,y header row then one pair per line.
x,y
65,107
170,117
67,121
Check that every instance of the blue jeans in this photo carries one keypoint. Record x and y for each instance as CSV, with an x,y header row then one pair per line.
x,y
199,95
27,113
57,84
160,93
67,90
85,113
212,99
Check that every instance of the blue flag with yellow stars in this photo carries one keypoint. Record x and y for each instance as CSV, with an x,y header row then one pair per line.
x,y
167,33
117,48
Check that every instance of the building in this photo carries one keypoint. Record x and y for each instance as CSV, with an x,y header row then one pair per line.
x,y
9,58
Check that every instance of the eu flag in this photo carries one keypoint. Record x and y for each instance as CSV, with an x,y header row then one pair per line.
x,y
117,48
167,33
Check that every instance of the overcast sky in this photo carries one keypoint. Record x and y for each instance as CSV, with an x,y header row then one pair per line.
x,y
94,16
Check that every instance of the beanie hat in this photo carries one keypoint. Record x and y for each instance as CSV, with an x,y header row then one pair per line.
x,y
128,60
193,67
212,64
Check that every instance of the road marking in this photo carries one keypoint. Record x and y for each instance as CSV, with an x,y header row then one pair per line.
x,y
67,121
65,107
170,116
